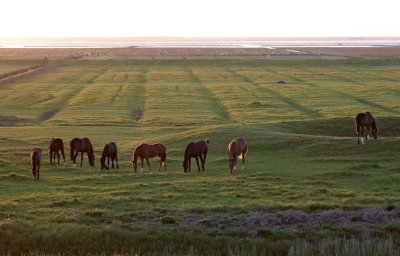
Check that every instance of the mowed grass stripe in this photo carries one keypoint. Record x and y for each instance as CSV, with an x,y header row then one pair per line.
x,y
245,102
219,107
308,112
356,102
97,103
173,99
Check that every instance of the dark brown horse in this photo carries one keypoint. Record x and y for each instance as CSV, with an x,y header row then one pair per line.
x,y
81,145
197,150
109,151
36,156
147,151
56,145
363,122
237,147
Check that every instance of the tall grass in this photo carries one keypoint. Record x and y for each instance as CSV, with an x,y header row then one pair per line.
x,y
343,246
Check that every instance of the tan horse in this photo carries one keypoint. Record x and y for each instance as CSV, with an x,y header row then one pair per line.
x,y
365,121
237,147
36,156
147,151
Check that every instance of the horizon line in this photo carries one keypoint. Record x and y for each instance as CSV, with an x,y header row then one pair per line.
x,y
203,38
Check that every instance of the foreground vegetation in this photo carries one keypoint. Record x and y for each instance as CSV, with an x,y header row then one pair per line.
x,y
303,156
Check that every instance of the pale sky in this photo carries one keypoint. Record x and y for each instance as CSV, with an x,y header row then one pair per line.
x,y
202,18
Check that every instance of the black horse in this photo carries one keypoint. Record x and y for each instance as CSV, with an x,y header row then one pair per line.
x,y
197,150
109,151
56,145
365,121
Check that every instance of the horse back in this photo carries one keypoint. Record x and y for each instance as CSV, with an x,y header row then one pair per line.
x,y
110,149
87,145
237,147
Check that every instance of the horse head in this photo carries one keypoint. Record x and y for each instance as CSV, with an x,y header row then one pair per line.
x,y
232,163
375,132
103,163
91,159
134,165
185,164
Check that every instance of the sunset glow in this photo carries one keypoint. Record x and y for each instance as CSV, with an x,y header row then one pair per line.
x,y
207,18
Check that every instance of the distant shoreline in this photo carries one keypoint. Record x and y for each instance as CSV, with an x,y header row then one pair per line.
x,y
176,42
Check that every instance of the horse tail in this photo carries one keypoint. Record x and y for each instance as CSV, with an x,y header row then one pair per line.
x,y
357,125
62,150
243,154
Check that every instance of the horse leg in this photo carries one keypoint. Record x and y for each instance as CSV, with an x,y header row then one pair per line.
x,y
141,160
58,158
164,162
148,163
82,157
197,161
358,132
190,163
159,168
74,158
37,172
242,162
367,132
362,135
108,162
116,160
202,163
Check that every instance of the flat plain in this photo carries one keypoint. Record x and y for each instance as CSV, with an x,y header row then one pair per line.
x,y
303,163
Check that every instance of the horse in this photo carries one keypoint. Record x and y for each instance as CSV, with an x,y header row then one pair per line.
x,y
36,156
197,150
109,151
365,121
56,145
237,147
148,151
81,145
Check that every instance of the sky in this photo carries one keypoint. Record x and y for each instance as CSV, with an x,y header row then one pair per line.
x,y
202,18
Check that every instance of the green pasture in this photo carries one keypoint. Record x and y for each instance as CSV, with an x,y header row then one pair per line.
x,y
303,153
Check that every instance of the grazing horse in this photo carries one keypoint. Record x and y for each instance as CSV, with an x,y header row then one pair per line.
x,y
148,151
237,147
365,121
56,145
81,145
36,156
197,150
109,151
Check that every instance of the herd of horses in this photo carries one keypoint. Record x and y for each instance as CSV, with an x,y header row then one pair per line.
x,y
197,150
237,148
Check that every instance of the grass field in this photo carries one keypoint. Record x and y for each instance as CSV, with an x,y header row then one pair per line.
x,y
303,155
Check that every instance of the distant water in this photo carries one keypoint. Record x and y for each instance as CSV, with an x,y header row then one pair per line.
x,y
205,44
